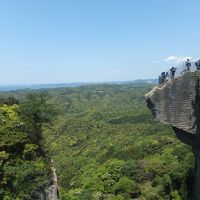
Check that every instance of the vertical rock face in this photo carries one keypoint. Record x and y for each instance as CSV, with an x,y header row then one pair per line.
x,y
52,191
174,102
177,102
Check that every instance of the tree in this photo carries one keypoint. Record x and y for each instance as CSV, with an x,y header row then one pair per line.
x,y
36,111
24,170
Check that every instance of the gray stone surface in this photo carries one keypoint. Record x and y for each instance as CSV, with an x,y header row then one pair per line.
x,y
173,102
177,102
52,191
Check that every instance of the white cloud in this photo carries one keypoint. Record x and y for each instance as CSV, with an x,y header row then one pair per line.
x,y
177,59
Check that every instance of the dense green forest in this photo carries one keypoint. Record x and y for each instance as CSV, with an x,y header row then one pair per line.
x,y
106,146
24,166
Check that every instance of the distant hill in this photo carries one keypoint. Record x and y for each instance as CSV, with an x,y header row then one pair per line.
x,y
38,86
76,84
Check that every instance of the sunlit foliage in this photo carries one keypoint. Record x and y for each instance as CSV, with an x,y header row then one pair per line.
x,y
23,169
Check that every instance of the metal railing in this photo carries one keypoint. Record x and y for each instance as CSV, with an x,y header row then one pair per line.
x,y
180,69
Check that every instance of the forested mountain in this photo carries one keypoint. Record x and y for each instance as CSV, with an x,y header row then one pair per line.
x,y
106,146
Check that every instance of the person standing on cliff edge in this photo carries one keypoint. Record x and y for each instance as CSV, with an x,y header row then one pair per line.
x,y
188,64
173,71
197,64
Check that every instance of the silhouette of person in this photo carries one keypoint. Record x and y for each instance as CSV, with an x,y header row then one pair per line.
x,y
188,64
197,64
173,71
163,76
160,80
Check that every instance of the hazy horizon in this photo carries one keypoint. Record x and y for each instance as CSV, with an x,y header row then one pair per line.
x,y
84,82
13,87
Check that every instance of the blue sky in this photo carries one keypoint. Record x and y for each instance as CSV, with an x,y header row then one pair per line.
x,y
49,41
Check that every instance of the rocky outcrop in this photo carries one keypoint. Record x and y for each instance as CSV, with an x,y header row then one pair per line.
x,y
173,102
52,191
177,102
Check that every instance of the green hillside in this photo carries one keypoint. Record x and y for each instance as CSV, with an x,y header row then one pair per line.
x,y
106,145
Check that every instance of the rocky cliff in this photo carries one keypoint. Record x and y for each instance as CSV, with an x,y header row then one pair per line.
x,y
52,191
174,102
177,102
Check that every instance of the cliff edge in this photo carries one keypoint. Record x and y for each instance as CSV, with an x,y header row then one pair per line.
x,y
174,101
177,103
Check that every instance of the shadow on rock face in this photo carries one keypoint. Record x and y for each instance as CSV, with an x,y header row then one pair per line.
x,y
177,103
152,107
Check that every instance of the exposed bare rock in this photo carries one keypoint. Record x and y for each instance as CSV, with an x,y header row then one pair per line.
x,y
173,102
177,102
52,191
